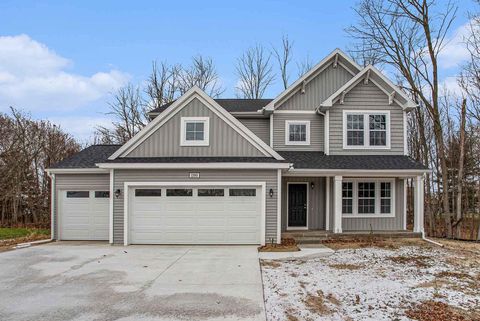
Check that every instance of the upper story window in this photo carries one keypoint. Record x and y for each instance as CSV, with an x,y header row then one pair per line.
x,y
297,132
366,130
195,131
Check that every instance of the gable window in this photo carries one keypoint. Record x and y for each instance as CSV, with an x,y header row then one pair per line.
x,y
195,131
366,130
297,132
368,198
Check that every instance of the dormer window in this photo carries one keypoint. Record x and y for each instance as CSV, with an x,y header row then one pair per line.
x,y
366,130
195,131
297,132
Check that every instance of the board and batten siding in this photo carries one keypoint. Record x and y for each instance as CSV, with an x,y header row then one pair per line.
x,y
366,97
268,176
166,140
77,182
259,126
380,223
318,89
316,201
317,133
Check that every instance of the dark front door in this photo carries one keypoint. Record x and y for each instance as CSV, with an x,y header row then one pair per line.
x,y
297,205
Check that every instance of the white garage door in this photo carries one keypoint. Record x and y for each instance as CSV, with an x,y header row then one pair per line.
x,y
83,214
195,215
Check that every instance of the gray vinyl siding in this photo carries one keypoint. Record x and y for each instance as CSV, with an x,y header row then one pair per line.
x,y
259,126
224,140
268,176
77,182
380,224
366,97
317,132
317,90
316,201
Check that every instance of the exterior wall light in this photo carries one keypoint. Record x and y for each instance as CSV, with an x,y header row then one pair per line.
x,y
117,193
271,192
312,185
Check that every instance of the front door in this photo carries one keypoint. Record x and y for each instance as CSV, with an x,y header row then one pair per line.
x,y
297,205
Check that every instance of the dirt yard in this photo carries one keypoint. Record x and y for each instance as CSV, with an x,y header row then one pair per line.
x,y
399,279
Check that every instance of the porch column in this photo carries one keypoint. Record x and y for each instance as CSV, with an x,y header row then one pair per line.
x,y
337,214
418,204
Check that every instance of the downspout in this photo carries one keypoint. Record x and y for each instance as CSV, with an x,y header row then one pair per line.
x,y
430,241
52,204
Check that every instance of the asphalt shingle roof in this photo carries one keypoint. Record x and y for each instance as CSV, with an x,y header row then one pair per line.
x,y
318,160
94,154
88,157
230,104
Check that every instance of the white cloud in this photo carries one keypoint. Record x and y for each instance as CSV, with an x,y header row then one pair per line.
x,y
33,77
451,86
455,51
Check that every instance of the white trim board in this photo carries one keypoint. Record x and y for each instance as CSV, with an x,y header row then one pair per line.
x,y
128,185
299,228
193,165
178,105
77,171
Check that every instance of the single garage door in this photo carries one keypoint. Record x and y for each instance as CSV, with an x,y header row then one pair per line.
x,y
195,215
83,214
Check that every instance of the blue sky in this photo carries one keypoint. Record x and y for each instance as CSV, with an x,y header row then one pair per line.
x,y
59,60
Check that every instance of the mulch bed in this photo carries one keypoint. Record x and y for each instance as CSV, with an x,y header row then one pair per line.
x,y
287,245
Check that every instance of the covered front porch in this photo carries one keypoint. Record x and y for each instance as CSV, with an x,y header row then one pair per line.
x,y
322,204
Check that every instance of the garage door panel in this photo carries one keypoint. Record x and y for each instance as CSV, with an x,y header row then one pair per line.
x,y
243,221
83,218
195,219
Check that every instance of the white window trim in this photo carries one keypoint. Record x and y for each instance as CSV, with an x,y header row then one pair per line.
x,y
377,197
366,128
297,122
206,128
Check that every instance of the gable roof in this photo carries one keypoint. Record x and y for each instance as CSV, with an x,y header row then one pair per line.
x,y
88,157
370,73
229,104
336,56
195,92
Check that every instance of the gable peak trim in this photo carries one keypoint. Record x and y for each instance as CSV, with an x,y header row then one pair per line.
x,y
301,82
179,104
366,75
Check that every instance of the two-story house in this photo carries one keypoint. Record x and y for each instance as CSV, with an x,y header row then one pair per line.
x,y
328,153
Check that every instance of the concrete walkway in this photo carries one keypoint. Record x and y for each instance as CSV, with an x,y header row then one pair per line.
x,y
95,281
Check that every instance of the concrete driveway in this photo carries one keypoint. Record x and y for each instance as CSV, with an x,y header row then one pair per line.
x,y
95,281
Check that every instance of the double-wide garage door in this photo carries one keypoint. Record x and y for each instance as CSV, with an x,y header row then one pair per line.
x,y
83,214
195,215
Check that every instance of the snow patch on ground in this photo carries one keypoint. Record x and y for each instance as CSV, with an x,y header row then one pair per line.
x,y
366,284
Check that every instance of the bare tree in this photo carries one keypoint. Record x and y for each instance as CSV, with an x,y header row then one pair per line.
x,y
409,35
304,66
162,84
130,116
203,74
284,57
27,148
254,72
